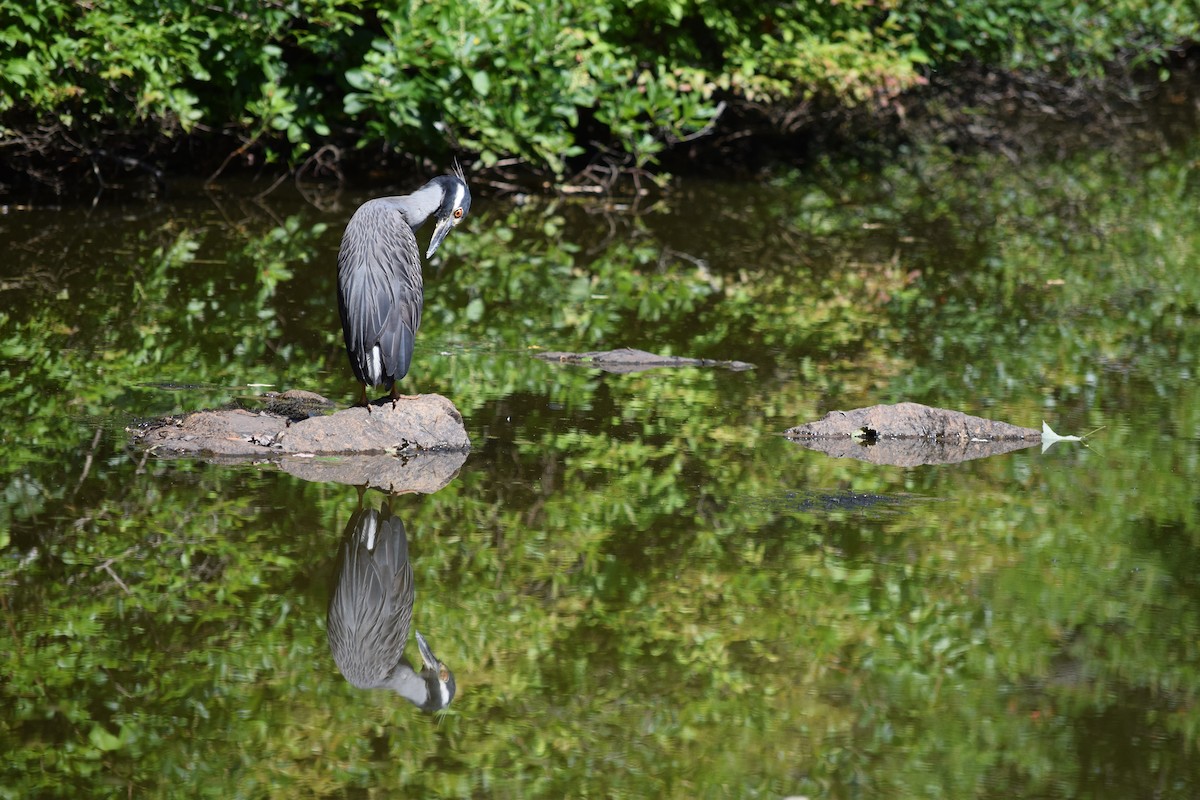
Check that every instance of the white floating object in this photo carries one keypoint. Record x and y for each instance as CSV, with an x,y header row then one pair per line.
x,y
1049,437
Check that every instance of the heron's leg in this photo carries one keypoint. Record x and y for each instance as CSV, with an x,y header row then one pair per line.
x,y
397,396
362,399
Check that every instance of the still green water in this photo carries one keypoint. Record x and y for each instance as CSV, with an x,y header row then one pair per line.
x,y
642,588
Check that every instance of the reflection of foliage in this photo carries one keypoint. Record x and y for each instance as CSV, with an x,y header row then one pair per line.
x,y
521,263
1070,262
66,359
632,604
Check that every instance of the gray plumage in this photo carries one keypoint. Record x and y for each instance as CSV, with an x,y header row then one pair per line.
x,y
380,291
370,614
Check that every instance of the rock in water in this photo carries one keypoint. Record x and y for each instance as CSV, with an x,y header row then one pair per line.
x,y
427,422
910,434
910,421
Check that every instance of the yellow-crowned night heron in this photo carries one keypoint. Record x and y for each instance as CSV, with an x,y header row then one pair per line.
x,y
379,276
370,614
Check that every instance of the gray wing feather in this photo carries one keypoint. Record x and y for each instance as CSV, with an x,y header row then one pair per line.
x,y
370,611
379,291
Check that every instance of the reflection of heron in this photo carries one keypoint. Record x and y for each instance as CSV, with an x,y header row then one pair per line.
x,y
379,276
370,613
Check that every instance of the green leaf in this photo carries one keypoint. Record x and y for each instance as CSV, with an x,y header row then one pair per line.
x,y
359,79
481,82
103,740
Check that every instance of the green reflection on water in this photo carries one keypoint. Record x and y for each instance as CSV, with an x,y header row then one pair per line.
x,y
642,589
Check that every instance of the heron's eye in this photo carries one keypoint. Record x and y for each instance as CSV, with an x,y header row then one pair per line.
x,y
458,213
444,674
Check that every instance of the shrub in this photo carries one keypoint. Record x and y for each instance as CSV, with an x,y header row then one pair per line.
x,y
539,82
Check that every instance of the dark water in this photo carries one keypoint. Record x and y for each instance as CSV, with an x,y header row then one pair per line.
x,y
641,587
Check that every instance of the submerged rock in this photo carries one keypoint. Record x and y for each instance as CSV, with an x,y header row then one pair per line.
x,y
627,359
911,434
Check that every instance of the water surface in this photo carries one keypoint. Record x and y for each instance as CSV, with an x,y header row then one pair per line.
x,y
643,589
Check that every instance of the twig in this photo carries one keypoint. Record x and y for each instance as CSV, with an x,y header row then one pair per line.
x,y
107,567
261,195
232,155
708,128
503,186
141,467
87,462
668,252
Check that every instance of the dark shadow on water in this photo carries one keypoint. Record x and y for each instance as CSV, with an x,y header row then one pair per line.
x,y
860,503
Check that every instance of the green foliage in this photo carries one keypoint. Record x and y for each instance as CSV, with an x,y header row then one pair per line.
x,y
172,64
1070,38
473,82
539,82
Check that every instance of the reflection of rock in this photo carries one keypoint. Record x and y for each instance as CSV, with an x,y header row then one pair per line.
x,y
427,422
912,452
909,434
629,360
424,472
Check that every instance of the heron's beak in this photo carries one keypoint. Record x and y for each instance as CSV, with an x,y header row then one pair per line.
x,y
439,232
428,659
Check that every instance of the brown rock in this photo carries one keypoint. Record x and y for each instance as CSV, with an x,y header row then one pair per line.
x,y
416,424
418,446
911,421
427,422
910,434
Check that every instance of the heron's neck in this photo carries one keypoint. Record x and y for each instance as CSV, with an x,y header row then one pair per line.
x,y
409,685
421,204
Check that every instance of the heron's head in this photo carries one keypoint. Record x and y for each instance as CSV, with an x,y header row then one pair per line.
x,y
438,677
455,205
